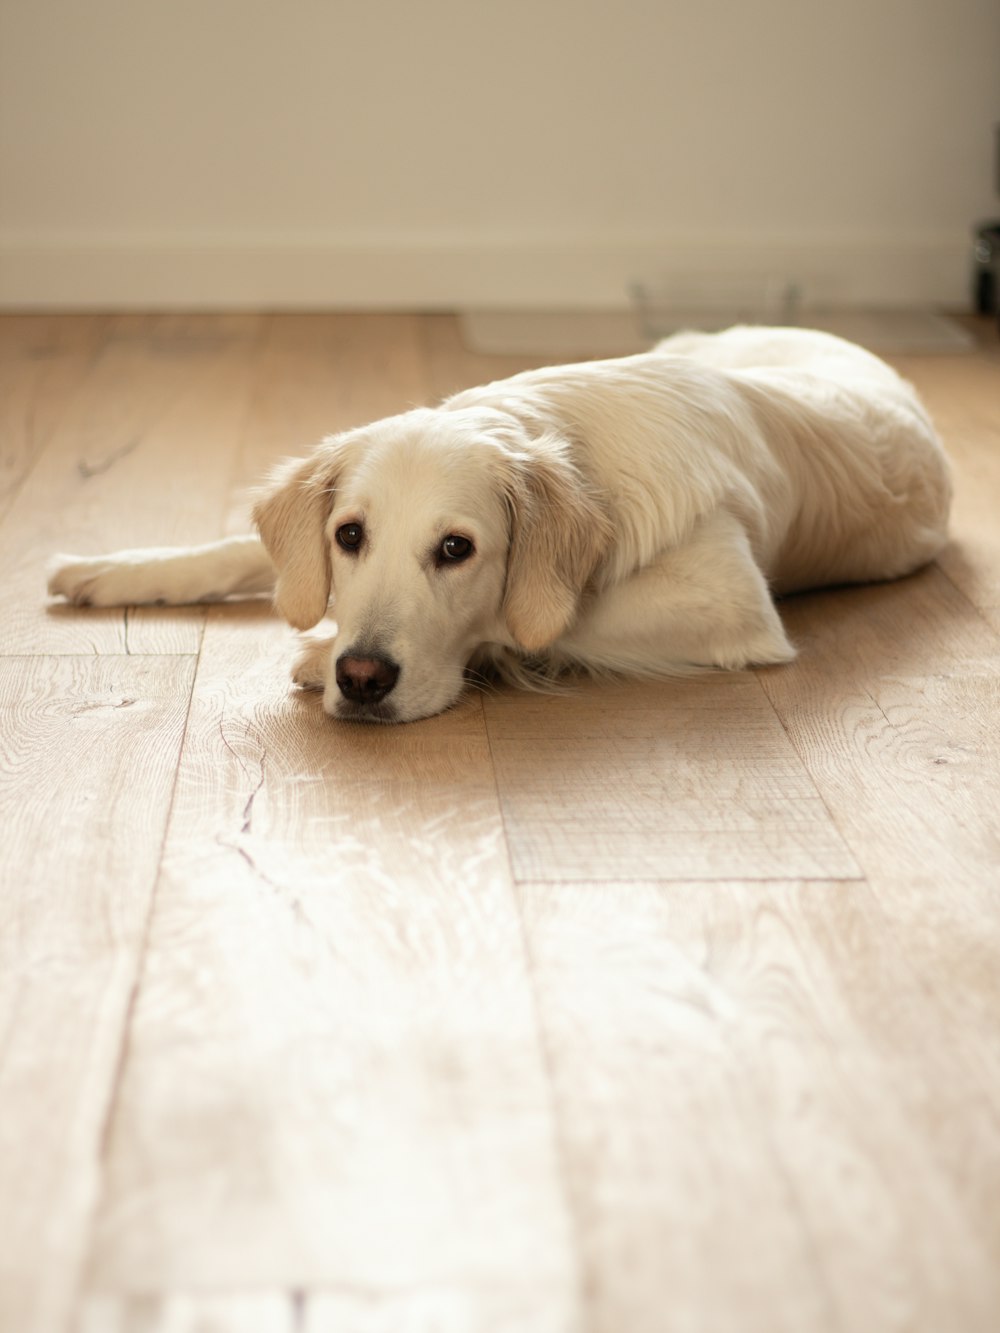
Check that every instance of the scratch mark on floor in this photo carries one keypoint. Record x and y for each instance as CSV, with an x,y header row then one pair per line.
x,y
88,470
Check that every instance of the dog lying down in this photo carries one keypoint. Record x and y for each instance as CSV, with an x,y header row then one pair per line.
x,y
634,515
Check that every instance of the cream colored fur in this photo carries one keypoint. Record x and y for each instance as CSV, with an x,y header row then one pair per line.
x,y
635,515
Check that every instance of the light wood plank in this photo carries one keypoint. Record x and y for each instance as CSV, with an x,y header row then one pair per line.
x,y
909,768
922,625
679,779
963,396
24,333
250,1313
451,366
507,1309
333,1076
319,374
421,1310
761,1123
684,1216
894,687
43,361
896,714
145,459
89,749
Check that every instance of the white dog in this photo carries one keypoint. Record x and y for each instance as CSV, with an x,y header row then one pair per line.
x,y
633,515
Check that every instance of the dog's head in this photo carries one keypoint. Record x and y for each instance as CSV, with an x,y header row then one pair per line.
x,y
435,532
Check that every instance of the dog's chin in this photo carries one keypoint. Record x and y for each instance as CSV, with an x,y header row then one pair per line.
x,y
383,714
387,712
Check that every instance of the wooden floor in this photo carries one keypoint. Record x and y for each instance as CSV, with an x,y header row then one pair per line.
x,y
647,1008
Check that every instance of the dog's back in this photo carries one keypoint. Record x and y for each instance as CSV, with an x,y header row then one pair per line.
x,y
876,501
825,453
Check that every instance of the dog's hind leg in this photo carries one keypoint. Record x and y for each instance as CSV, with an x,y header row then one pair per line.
x,y
235,566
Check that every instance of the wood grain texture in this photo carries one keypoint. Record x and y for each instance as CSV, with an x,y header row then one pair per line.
x,y
333,1073
910,770
963,394
740,1072
663,1007
695,779
89,752
318,374
424,1310
42,363
145,459
259,1312
507,1309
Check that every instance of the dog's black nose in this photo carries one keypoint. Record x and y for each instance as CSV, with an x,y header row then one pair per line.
x,y
366,680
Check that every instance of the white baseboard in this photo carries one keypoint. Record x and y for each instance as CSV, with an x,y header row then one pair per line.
x,y
461,272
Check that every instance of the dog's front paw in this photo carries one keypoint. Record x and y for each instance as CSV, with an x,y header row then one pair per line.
x,y
313,663
84,581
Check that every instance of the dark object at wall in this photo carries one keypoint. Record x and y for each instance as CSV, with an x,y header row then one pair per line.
x,y
986,268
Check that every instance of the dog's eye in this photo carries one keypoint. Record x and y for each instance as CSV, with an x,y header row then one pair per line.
x,y
350,536
453,550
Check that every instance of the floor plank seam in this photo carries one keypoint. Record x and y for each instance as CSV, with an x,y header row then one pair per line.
x,y
861,878
115,1081
11,498
974,606
559,1140
231,492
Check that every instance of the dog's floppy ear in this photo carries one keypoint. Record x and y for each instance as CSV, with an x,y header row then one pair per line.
x,y
558,534
291,517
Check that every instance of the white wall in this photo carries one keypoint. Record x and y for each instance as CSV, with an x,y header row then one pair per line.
x,y
466,152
